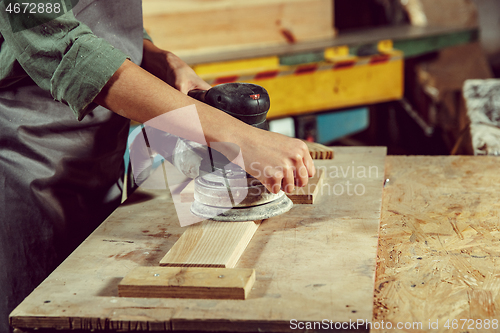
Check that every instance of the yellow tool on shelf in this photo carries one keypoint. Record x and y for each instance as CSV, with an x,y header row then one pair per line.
x,y
340,80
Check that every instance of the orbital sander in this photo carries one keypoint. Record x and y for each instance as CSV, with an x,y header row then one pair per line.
x,y
223,191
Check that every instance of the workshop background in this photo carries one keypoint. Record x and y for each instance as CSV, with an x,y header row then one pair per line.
x,y
354,73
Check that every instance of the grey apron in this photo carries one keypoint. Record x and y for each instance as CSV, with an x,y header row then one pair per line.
x,y
59,178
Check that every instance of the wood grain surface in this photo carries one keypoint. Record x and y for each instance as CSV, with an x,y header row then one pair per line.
x,y
195,27
315,262
211,244
439,243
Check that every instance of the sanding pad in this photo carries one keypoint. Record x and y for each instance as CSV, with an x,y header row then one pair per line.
x,y
242,214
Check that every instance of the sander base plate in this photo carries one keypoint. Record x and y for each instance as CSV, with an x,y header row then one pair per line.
x,y
243,214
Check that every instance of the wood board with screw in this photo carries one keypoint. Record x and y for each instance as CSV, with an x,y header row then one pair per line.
x,y
192,282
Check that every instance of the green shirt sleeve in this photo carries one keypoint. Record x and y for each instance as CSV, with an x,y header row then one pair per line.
x,y
63,57
145,35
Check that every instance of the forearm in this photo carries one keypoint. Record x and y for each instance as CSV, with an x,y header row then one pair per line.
x,y
170,68
138,95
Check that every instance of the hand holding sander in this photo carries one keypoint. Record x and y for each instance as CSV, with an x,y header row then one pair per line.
x,y
223,190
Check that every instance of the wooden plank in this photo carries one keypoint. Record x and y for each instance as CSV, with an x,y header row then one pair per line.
x,y
314,262
193,282
211,244
309,193
155,7
187,26
319,151
439,248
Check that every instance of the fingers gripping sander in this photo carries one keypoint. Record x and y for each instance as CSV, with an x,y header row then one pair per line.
x,y
223,190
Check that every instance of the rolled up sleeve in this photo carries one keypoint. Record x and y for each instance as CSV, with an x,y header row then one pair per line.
x,y
145,35
65,58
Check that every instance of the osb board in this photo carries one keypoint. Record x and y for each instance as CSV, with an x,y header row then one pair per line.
x,y
187,26
315,262
439,246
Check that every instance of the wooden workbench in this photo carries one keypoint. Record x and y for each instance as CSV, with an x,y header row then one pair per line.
x,y
315,262
437,260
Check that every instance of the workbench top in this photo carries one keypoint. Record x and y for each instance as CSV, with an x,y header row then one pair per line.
x,y
315,262
437,258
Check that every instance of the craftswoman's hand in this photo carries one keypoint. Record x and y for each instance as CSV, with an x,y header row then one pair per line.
x,y
171,69
283,162
277,161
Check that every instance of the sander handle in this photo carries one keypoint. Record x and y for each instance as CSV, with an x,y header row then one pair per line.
x,y
244,101
198,94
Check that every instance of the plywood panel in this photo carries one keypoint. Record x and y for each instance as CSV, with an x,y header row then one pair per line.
x,y
315,262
